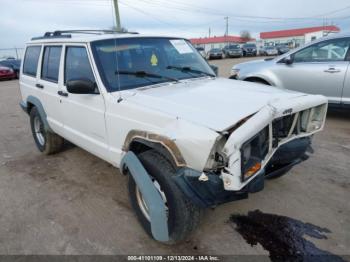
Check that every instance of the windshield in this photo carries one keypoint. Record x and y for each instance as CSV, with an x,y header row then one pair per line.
x,y
233,47
215,50
146,61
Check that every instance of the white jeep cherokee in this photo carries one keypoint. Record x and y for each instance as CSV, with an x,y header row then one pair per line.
x,y
203,140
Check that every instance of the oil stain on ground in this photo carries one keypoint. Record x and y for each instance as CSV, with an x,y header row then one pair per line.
x,y
283,237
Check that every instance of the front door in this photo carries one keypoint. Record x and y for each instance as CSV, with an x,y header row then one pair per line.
x,y
84,114
317,69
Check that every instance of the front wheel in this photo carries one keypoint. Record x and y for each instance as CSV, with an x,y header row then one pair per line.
x,y
46,141
183,216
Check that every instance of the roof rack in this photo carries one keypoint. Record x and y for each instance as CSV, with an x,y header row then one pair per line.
x,y
68,33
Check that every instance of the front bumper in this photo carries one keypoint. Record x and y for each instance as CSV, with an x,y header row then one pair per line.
x,y
212,192
276,124
215,56
250,52
234,54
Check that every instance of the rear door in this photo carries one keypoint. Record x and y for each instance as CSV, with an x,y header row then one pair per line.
x,y
317,69
83,114
50,82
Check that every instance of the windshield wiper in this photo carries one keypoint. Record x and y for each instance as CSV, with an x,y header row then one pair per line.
x,y
146,74
188,69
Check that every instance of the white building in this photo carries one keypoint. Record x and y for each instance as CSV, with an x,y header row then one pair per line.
x,y
297,37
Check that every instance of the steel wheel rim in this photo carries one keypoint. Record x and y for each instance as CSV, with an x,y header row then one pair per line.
x,y
142,203
39,131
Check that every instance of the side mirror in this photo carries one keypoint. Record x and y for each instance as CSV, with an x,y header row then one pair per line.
x,y
215,69
288,60
81,86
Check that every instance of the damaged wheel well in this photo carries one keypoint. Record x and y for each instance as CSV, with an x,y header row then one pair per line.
x,y
140,141
257,80
139,146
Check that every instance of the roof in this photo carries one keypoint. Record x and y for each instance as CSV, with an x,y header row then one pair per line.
x,y
86,38
298,32
220,39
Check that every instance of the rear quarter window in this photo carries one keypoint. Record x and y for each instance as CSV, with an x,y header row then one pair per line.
x,y
31,60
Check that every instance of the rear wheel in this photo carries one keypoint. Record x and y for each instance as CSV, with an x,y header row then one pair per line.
x,y
183,216
46,141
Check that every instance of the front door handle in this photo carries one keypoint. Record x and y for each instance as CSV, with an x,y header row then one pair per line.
x,y
62,93
39,86
332,70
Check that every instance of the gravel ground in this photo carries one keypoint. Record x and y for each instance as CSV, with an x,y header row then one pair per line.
x,y
75,203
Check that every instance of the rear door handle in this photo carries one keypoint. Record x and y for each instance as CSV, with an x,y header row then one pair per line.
x,y
332,70
61,93
39,86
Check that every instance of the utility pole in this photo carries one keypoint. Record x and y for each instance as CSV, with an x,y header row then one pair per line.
x,y
209,32
226,32
16,52
117,16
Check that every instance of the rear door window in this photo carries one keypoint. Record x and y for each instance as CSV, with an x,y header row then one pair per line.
x,y
51,63
31,60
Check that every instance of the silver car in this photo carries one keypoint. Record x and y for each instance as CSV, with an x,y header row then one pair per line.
x,y
321,67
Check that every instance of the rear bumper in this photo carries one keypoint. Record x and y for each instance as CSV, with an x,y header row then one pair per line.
x,y
211,192
24,106
8,76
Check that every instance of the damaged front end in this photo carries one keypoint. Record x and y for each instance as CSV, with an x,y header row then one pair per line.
x,y
265,145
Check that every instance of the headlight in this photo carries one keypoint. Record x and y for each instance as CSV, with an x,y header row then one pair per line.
x,y
253,153
216,159
316,118
235,72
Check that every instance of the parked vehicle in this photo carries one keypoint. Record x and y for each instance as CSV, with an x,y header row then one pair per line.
x,y
7,73
215,53
321,67
249,50
14,64
201,50
261,51
270,51
232,51
282,49
153,107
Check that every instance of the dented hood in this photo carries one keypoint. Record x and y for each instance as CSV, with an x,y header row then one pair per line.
x,y
214,103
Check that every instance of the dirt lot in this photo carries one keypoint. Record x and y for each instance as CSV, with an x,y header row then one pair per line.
x,y
75,203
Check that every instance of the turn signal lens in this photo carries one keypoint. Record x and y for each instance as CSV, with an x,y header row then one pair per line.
x,y
251,171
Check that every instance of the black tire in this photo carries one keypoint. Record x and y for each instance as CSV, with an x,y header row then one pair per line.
x,y
183,216
52,143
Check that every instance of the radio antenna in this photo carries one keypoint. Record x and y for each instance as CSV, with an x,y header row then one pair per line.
x,y
116,50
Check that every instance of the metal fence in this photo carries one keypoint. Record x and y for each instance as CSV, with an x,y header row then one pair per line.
x,y
15,52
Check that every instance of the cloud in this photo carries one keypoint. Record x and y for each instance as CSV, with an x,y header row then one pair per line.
x,y
22,19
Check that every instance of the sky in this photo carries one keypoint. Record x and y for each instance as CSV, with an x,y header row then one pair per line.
x,y
22,19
